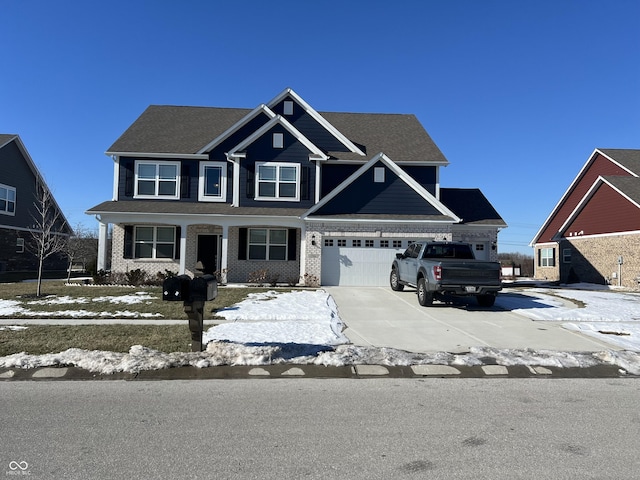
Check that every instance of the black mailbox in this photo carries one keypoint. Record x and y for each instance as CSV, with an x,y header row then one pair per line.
x,y
204,288
176,289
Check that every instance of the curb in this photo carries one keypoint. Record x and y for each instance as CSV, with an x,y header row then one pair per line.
x,y
317,371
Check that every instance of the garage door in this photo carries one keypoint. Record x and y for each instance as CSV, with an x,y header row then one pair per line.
x,y
359,261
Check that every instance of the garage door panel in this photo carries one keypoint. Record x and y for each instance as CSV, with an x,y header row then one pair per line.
x,y
359,266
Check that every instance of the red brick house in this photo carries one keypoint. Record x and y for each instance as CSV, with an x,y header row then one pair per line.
x,y
593,233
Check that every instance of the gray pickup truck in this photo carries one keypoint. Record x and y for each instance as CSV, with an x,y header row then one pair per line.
x,y
437,269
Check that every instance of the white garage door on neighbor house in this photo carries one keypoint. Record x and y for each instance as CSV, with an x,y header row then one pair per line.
x,y
359,261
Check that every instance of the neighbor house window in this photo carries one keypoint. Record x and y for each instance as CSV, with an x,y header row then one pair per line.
x,y
157,179
267,244
566,255
547,257
328,242
342,242
7,200
20,245
397,244
384,243
213,182
278,181
154,242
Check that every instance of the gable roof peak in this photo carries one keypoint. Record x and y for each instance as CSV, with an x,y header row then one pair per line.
x,y
289,92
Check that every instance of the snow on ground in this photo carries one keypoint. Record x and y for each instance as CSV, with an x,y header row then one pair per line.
x,y
304,328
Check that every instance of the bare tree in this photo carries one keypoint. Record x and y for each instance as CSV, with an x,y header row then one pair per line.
x,y
46,236
81,247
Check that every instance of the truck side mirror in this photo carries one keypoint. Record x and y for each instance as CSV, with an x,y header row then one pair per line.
x,y
399,256
176,289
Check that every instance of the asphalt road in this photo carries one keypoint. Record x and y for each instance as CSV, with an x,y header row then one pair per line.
x,y
306,428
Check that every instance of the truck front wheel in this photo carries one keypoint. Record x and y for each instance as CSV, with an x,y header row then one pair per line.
x,y
394,280
425,297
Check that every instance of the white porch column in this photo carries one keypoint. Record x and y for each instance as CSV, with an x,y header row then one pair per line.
x,y
224,251
103,229
183,249
303,251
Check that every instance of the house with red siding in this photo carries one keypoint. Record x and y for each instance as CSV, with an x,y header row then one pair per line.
x,y
593,233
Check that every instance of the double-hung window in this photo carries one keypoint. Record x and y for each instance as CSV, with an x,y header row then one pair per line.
x,y
278,181
154,242
213,182
267,244
155,179
7,200
547,257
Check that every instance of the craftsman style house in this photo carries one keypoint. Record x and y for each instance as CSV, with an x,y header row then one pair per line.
x,y
283,192
19,184
593,233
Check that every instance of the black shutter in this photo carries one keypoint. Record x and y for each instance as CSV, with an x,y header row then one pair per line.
x,y
251,190
128,241
185,182
128,178
292,244
305,190
177,244
242,243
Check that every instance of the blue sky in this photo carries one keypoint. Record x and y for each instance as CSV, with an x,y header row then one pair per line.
x,y
517,94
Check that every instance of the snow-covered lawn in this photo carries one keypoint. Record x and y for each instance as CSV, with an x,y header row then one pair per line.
x,y
304,328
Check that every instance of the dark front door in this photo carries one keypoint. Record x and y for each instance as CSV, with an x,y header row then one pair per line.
x,y
208,252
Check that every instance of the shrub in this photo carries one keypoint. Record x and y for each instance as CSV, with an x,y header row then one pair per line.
x,y
136,277
258,277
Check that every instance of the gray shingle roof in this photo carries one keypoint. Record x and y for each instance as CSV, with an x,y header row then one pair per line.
x,y
185,130
471,206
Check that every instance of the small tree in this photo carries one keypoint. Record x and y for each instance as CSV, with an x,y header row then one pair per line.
x,y
46,237
81,247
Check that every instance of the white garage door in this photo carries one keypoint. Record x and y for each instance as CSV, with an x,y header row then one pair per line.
x,y
359,261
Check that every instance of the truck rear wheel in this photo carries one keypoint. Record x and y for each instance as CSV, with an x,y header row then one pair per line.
x,y
486,300
394,280
425,297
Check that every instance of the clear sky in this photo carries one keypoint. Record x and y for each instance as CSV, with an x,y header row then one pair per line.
x,y
517,94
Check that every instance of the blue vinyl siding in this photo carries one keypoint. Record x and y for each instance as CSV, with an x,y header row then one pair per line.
x,y
364,196
237,137
310,128
15,172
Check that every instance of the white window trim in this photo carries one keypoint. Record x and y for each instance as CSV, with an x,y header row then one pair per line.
x,y
154,242
276,198
223,183
268,244
15,200
157,180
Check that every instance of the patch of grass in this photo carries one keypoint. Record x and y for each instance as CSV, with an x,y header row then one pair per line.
x,y
100,301
41,339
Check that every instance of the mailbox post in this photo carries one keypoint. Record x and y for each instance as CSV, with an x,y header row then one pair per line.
x,y
193,293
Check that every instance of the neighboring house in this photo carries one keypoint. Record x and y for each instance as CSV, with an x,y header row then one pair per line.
x,y
282,190
19,180
593,233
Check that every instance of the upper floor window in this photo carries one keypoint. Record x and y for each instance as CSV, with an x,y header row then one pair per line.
x,y
213,182
278,181
156,179
154,242
278,140
7,200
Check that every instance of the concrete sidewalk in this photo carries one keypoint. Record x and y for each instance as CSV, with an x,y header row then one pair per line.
x,y
380,317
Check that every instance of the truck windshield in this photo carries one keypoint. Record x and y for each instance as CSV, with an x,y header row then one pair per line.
x,y
462,252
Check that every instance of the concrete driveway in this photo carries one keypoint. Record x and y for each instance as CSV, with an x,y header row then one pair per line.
x,y
380,317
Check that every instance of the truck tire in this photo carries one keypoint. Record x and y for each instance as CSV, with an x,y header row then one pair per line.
x,y
394,280
425,297
486,300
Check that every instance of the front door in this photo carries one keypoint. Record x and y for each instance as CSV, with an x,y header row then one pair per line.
x,y
208,253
